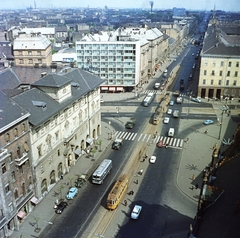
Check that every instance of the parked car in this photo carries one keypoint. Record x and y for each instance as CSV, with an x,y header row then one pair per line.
x,y
169,111
171,103
152,159
136,212
72,192
208,122
196,99
166,120
60,207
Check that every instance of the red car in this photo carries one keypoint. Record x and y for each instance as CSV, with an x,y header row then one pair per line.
x,y
160,144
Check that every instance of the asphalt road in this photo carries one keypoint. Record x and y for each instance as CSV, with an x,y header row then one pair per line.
x,y
166,210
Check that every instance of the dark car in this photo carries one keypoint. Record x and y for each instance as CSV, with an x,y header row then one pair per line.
x,y
60,207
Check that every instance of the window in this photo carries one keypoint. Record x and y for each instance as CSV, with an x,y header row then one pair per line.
x,y
30,61
15,132
10,207
220,73
39,148
21,169
13,176
219,82
7,137
214,63
236,74
222,63
23,127
15,193
20,61
29,52
205,72
229,64
4,168
237,64
38,52
227,82
11,157
18,152
206,63
204,81
213,73
234,82
26,148
7,188
39,61
57,136
228,73
212,81
20,53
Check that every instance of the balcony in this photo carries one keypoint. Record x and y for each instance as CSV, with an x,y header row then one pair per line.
x,y
22,160
3,220
21,201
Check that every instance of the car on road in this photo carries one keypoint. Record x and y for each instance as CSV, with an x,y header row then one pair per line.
x,y
171,103
192,54
72,192
166,120
136,212
208,122
169,111
196,99
60,207
152,159
160,144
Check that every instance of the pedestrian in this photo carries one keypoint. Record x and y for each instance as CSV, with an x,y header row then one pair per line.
x,y
166,146
137,181
193,177
196,186
125,202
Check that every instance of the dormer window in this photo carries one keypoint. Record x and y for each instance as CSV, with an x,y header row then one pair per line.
x,y
40,104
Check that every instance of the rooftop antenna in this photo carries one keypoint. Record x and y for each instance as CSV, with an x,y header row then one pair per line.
x,y
35,5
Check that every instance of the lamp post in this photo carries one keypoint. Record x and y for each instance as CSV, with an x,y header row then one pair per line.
x,y
220,124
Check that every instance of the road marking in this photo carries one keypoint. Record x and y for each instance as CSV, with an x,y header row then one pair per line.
x,y
131,136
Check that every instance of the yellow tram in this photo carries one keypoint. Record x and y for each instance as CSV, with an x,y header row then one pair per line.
x,y
117,192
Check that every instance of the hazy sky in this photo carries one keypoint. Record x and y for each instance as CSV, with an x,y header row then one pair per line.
x,y
226,5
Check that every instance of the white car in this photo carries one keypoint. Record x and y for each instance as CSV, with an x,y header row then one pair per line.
x,y
152,159
166,120
171,103
136,212
169,111
196,99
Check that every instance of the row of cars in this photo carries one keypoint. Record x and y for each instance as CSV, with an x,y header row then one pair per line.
x,y
72,192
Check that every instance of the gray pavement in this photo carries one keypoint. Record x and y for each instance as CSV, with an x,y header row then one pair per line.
x,y
196,155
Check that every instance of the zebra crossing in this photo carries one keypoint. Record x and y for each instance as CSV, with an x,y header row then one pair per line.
x,y
150,139
160,92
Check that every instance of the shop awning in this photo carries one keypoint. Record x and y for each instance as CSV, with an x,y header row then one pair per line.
x,y
104,88
89,141
21,214
34,200
111,89
78,152
119,88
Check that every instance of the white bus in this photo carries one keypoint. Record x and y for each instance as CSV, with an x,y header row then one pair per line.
x,y
102,171
148,99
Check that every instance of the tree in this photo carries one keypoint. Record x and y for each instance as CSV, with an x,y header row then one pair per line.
x,y
100,145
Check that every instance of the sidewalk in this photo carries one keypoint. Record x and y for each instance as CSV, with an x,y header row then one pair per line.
x,y
44,211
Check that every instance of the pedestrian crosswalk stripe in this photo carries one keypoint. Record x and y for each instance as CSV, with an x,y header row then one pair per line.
x,y
149,138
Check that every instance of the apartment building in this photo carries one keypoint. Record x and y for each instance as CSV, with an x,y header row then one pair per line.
x,y
220,59
16,180
124,58
32,50
64,122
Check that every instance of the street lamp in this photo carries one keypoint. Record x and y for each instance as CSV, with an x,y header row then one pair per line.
x,y
220,123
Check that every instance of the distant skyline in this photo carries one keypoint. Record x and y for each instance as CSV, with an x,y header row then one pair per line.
x,y
230,5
